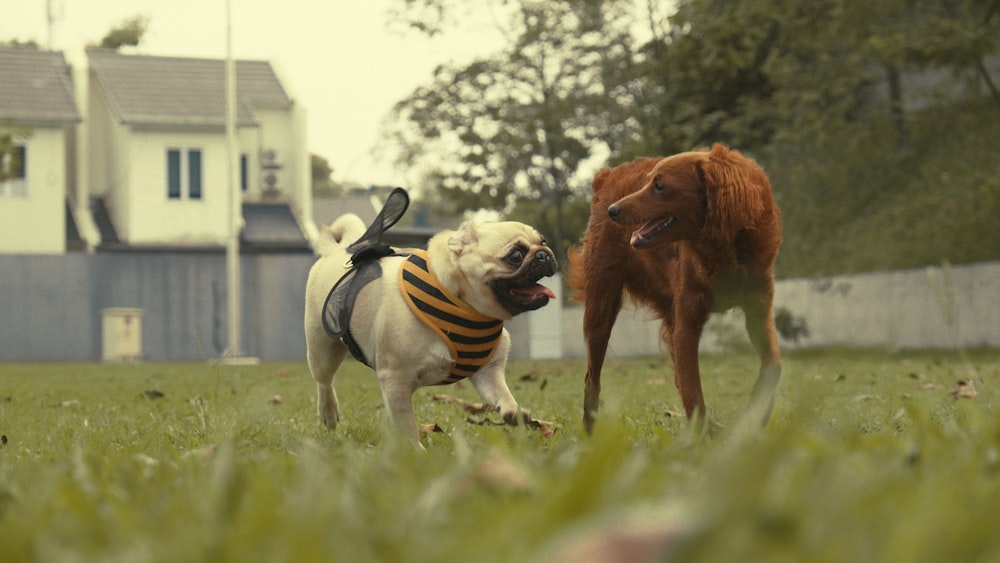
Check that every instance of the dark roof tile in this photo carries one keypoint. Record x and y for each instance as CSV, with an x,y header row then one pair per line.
x,y
36,87
157,91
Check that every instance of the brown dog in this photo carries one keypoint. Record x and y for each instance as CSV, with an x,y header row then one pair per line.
x,y
686,235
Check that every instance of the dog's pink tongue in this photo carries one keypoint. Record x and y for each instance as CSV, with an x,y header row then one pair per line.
x,y
535,290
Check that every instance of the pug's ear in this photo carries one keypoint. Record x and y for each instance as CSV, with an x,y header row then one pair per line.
x,y
465,235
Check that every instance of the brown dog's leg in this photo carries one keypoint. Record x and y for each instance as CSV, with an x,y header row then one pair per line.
x,y
599,316
689,319
764,337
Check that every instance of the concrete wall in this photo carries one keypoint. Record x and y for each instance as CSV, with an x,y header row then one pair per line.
x,y
50,309
50,306
924,308
35,223
933,307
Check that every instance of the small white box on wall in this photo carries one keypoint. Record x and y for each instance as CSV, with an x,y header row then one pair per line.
x,y
121,334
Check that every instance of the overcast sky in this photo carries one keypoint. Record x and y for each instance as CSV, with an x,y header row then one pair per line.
x,y
337,57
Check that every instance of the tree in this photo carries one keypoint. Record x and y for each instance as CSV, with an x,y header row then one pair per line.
x,y
128,33
11,163
323,181
524,124
321,172
817,91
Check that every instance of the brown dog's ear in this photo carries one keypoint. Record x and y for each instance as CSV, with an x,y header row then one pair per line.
x,y
599,179
736,189
465,235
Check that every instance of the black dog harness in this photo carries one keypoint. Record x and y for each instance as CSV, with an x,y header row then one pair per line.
x,y
365,255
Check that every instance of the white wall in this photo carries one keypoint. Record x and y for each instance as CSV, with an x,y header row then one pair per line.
x,y
36,223
922,308
100,143
147,216
277,134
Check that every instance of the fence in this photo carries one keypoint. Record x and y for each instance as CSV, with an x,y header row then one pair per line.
x,y
50,306
50,309
940,307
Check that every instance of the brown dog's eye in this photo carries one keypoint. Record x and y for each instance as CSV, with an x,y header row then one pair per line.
x,y
658,187
515,257
544,242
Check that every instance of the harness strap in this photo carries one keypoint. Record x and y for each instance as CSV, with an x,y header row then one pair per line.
x,y
340,305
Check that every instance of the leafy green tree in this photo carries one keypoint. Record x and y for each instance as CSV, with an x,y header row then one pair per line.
x,y
20,44
10,158
817,91
520,125
321,174
128,33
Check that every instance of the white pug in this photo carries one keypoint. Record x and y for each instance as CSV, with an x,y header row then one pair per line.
x,y
432,317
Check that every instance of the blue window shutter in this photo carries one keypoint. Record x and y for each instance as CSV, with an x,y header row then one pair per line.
x,y
243,173
173,174
194,174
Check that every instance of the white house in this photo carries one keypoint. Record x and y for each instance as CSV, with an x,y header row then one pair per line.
x,y
153,158
130,151
38,111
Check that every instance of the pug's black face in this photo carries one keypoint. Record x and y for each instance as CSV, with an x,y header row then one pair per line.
x,y
520,291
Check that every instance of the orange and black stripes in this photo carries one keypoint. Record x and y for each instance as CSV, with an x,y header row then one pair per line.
x,y
471,337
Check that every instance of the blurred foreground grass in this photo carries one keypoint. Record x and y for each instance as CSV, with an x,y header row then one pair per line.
x,y
869,457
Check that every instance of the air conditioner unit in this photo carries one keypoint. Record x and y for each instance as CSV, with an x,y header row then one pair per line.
x,y
270,172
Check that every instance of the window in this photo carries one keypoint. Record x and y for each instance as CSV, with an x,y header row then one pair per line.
x,y
194,174
244,168
174,174
177,165
13,172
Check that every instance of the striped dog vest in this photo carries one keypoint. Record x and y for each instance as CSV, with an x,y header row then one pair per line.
x,y
471,337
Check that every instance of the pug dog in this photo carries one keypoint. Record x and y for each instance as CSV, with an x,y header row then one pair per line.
x,y
432,317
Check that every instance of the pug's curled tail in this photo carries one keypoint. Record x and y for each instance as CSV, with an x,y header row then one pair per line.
x,y
341,233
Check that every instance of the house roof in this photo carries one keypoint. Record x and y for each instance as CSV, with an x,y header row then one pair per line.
x,y
170,91
36,87
327,209
271,227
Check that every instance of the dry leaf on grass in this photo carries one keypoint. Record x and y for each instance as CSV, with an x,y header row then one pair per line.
x,y
545,428
964,389
928,386
500,472
276,400
428,428
469,407
484,421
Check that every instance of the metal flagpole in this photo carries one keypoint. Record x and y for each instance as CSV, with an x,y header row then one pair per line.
x,y
234,352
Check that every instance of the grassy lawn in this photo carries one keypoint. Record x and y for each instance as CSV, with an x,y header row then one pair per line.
x,y
869,457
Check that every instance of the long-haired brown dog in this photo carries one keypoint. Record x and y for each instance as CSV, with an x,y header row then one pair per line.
x,y
686,235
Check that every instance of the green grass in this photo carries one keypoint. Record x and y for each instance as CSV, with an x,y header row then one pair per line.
x,y
868,458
